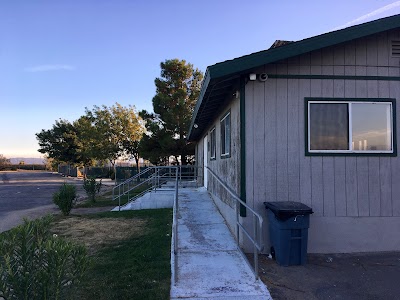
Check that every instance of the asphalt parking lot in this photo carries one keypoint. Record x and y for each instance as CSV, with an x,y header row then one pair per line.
x,y
26,194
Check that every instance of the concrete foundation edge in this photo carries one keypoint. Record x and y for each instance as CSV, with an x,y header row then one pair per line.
x,y
353,234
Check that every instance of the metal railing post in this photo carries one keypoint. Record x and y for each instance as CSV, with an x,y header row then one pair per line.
x,y
255,248
175,229
237,223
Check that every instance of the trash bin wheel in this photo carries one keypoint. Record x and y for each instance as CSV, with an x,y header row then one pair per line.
x,y
273,252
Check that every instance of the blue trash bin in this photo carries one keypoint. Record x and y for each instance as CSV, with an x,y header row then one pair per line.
x,y
288,227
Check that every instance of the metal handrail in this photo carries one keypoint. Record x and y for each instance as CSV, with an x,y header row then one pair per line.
x,y
257,246
127,182
175,230
155,180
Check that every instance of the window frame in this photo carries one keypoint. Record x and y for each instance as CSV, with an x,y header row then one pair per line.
x,y
309,152
213,144
227,152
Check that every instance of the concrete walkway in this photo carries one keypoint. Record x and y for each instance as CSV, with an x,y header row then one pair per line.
x,y
208,263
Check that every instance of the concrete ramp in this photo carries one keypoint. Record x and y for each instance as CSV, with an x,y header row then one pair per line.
x,y
152,200
208,263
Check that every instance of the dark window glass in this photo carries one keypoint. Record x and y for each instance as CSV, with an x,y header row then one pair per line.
x,y
329,126
226,135
213,143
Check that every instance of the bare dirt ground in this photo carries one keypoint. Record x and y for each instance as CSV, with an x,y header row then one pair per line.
x,y
97,233
335,276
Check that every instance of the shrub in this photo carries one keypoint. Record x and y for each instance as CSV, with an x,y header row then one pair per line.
x,y
65,197
91,187
34,264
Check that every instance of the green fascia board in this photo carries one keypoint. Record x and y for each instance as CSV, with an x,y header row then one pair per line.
x,y
204,87
304,46
254,60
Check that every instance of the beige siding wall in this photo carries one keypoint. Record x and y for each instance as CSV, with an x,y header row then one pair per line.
x,y
227,169
200,161
339,187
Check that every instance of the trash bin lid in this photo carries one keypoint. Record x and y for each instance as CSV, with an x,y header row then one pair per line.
x,y
286,209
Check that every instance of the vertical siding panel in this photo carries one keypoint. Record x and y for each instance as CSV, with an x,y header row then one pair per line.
x,y
394,89
373,162
270,136
386,187
282,136
350,55
259,140
250,106
362,162
339,162
351,164
383,44
328,176
328,166
372,51
294,103
374,187
361,53
317,194
385,169
305,161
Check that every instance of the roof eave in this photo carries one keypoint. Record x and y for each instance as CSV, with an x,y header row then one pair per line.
x,y
246,63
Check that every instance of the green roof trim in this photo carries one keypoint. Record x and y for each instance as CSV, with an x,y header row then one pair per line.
x,y
240,65
303,46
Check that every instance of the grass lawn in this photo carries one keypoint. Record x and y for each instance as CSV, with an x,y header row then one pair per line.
x,y
130,251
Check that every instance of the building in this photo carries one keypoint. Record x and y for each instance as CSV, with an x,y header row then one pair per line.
x,y
311,121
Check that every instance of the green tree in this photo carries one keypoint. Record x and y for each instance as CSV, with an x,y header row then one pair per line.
x,y
176,93
86,140
102,134
131,130
60,143
112,132
51,164
4,160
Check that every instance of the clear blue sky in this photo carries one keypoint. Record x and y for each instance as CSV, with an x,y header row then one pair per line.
x,y
59,56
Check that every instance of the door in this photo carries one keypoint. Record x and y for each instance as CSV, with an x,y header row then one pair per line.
x,y
205,161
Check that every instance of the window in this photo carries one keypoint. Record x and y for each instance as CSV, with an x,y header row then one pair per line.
x,y
359,126
213,146
226,135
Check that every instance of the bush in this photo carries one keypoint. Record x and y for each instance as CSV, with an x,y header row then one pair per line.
x,y
65,197
34,264
91,187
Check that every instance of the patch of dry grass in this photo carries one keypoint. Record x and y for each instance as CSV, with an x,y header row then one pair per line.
x,y
98,233
130,251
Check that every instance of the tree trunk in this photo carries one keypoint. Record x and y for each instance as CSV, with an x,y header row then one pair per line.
x,y
137,166
137,163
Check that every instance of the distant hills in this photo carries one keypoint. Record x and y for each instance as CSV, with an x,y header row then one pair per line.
x,y
27,160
